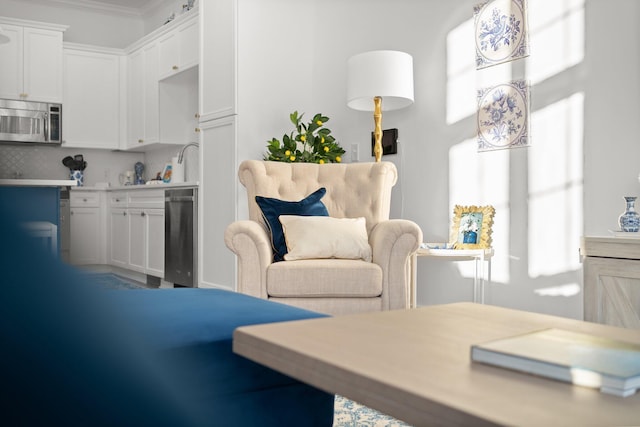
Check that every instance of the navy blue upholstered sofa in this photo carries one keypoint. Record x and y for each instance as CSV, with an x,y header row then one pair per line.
x,y
77,355
195,327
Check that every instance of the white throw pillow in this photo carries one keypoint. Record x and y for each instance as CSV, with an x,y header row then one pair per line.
x,y
309,237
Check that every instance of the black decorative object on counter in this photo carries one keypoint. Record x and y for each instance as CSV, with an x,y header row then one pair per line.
x,y
76,165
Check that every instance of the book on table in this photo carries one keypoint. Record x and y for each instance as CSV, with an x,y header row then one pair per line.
x,y
611,365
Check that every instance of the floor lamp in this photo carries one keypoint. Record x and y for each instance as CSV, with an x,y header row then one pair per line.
x,y
377,75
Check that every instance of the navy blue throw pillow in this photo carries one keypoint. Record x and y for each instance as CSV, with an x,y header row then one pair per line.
x,y
273,208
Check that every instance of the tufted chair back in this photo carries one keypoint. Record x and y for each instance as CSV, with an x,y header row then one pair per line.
x,y
353,189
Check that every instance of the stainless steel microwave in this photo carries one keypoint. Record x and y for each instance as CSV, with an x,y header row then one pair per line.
x,y
30,122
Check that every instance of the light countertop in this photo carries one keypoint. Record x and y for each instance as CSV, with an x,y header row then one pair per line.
x,y
139,187
38,182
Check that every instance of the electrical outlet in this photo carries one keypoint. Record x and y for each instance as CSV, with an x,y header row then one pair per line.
x,y
355,155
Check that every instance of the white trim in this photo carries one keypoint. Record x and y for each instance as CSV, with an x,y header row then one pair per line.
x,y
217,115
103,7
33,24
93,48
180,19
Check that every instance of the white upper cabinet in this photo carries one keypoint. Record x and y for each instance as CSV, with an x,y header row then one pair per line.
x,y
31,65
218,85
42,65
12,64
92,97
135,102
151,104
179,48
143,97
162,98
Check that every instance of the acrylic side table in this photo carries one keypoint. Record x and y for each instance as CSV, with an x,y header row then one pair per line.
x,y
479,256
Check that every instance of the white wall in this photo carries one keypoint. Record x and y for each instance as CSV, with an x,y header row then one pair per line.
x,y
289,61
275,58
293,55
611,113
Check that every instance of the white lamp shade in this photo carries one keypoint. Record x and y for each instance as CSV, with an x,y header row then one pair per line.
x,y
384,73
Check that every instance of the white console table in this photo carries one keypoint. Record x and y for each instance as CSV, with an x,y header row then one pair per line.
x,y
479,256
611,280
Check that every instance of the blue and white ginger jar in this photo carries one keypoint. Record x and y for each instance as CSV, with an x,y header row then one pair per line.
x,y
630,220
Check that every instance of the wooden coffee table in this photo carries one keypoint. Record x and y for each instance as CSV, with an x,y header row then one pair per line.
x,y
415,365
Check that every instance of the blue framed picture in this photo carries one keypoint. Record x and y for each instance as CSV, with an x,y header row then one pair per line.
x,y
500,32
471,228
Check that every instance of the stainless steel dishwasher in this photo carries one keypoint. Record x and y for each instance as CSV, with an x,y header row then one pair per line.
x,y
181,236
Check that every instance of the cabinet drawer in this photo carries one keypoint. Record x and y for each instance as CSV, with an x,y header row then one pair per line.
x,y
84,199
118,199
146,199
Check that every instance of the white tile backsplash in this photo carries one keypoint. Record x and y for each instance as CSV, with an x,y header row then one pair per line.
x,y
158,158
42,162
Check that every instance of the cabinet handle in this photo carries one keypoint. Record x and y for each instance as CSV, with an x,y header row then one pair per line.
x,y
197,130
124,213
175,67
140,141
71,212
141,213
23,95
84,200
197,115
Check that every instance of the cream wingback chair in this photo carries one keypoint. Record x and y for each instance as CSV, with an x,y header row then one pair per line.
x,y
332,286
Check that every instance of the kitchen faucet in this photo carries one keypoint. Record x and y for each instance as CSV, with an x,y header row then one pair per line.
x,y
181,154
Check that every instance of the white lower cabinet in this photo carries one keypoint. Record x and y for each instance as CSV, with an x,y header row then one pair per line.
x,y
146,241
122,228
155,242
119,237
137,231
137,239
87,228
85,245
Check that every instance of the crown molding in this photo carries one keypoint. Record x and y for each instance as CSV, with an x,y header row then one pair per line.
x,y
33,24
93,48
179,20
98,6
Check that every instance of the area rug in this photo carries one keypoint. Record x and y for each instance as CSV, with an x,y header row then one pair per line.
x,y
347,413
113,281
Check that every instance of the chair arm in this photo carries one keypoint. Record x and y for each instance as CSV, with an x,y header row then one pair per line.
x,y
252,246
393,242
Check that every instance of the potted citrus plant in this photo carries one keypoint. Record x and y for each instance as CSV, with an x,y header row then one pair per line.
x,y
309,142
